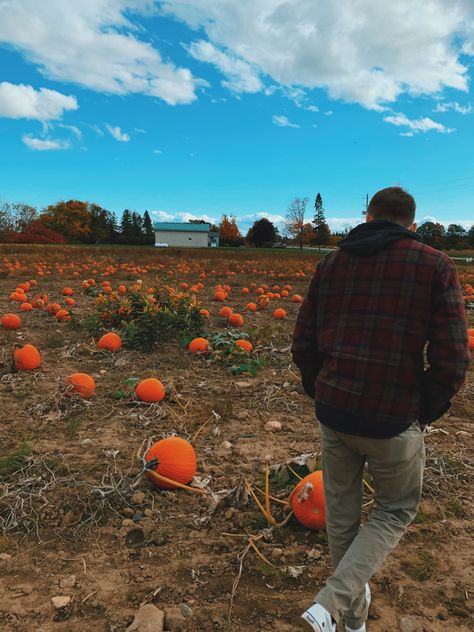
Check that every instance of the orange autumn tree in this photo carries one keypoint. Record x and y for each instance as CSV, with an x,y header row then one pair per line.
x,y
229,233
71,219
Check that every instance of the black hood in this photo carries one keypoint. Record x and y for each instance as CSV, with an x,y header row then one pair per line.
x,y
367,239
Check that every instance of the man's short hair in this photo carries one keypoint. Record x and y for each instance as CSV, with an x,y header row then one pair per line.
x,y
394,204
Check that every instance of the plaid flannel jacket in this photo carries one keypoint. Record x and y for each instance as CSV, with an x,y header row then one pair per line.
x,y
361,331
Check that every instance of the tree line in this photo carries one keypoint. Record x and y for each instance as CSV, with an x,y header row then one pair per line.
x,y
75,221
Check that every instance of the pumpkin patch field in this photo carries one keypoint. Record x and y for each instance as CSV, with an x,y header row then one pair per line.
x,y
156,447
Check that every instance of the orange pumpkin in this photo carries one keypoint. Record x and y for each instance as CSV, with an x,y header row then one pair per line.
x,y
225,312
150,390
26,358
245,345
176,460
279,313
204,313
296,298
26,307
68,291
252,307
83,384
307,501
198,345
110,341
11,321
236,320
62,315
220,296
471,342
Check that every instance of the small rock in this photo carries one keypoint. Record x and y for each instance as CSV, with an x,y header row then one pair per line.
x,y
138,516
226,445
148,619
286,385
314,554
68,518
87,443
276,554
409,624
460,612
443,614
186,610
4,557
68,582
26,589
126,522
128,512
273,426
241,414
243,384
61,601
148,513
138,498
175,621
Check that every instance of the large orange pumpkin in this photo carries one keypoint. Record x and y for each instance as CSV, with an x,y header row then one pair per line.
x,y
307,501
150,390
236,320
279,313
11,321
176,460
26,358
225,312
110,341
198,345
296,298
245,345
83,384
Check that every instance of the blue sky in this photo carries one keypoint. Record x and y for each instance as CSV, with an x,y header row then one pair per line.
x,y
197,108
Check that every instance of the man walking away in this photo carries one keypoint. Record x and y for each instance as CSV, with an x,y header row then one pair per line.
x,y
359,342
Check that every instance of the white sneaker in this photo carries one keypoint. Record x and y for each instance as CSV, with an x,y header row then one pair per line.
x,y
368,596
319,619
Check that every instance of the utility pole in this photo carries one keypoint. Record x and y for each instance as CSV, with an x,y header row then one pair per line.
x,y
366,206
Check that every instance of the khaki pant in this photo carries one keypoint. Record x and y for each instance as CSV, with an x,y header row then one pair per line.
x,y
396,466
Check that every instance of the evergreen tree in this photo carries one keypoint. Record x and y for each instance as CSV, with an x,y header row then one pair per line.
x,y
126,228
321,229
149,231
137,228
470,237
113,232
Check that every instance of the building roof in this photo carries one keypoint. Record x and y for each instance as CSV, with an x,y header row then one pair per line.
x,y
182,227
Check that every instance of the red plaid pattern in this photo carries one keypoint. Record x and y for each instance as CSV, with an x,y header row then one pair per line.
x,y
361,331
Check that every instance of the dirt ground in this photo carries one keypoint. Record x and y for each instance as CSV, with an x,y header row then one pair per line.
x,y
70,524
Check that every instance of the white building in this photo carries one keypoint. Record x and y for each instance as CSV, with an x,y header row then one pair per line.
x,y
179,234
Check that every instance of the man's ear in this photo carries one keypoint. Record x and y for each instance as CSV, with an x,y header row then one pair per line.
x,y
413,227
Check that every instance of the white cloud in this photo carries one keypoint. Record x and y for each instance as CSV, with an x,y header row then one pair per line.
x,y
164,216
157,151
117,133
454,105
95,44
73,129
282,121
361,51
241,77
23,101
465,224
415,126
39,144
